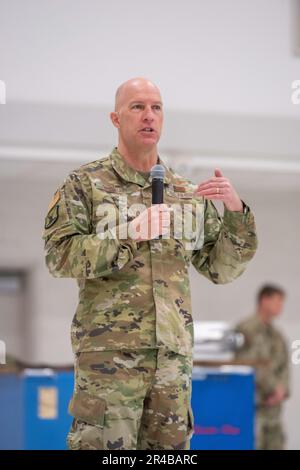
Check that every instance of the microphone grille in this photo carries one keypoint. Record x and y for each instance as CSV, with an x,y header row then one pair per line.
x,y
158,172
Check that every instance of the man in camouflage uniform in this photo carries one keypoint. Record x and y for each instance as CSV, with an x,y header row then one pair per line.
x,y
132,333
266,347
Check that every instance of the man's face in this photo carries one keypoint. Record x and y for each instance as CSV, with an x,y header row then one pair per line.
x,y
273,305
139,117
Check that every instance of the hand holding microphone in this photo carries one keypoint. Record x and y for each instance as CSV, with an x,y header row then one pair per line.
x,y
150,224
153,222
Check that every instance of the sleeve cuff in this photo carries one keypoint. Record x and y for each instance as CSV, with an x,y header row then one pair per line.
x,y
236,217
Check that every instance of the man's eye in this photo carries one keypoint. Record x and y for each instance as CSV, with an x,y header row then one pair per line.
x,y
157,107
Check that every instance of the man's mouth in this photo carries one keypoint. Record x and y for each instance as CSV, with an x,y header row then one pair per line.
x,y
147,129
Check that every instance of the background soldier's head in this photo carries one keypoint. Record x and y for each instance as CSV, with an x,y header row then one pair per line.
x,y
270,301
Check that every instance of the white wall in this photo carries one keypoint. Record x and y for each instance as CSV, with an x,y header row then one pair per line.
x,y
12,322
233,56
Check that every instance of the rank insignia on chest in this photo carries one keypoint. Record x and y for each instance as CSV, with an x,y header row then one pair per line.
x,y
180,188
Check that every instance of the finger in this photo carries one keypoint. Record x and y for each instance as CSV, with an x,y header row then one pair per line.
x,y
165,232
224,184
210,191
213,179
218,173
221,197
157,209
164,214
162,205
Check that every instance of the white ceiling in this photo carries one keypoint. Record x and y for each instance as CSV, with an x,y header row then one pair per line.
x,y
230,57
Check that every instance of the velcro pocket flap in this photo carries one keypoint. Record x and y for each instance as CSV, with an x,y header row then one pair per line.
x,y
87,408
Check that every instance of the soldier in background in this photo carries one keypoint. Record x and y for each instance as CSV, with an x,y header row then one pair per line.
x,y
132,333
267,348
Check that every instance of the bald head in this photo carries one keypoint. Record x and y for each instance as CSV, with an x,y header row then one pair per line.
x,y
138,106
131,87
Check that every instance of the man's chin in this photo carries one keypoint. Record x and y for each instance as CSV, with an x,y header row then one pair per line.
x,y
147,143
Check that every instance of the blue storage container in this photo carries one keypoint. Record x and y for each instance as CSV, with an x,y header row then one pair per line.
x,y
33,409
223,402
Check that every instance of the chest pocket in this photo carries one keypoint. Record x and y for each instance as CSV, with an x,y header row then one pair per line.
x,y
113,204
187,222
127,200
180,196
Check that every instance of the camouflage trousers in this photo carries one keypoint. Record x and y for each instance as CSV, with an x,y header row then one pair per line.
x,y
269,431
131,399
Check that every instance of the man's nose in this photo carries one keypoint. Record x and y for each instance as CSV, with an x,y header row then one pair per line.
x,y
148,114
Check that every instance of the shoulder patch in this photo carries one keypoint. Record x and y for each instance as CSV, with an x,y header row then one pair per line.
x,y
51,217
54,200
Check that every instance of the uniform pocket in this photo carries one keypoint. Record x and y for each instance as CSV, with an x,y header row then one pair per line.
x,y
87,428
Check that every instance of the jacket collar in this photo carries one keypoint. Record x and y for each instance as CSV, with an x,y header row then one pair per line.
x,y
129,174
259,323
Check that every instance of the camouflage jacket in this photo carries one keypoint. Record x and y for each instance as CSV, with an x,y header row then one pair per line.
x,y
266,347
137,295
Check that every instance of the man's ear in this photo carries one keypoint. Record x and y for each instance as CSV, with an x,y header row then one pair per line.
x,y
114,116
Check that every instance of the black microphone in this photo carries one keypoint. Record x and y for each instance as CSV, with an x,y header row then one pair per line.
x,y
157,174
